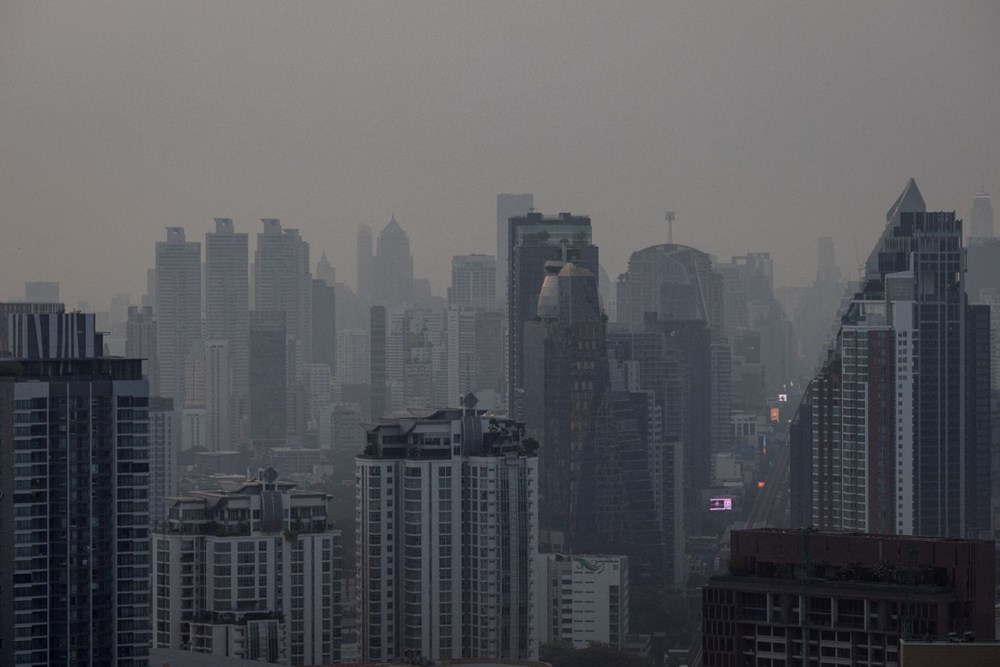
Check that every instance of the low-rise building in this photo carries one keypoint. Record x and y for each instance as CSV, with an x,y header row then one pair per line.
x,y
583,599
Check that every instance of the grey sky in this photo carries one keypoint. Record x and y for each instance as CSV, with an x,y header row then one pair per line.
x,y
762,124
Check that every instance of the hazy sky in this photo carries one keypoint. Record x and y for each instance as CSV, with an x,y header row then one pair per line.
x,y
762,124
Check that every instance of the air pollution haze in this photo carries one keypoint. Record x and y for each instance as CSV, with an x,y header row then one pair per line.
x,y
763,125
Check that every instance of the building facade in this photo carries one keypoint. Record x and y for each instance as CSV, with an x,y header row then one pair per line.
x,y
583,599
808,597
178,310
250,571
74,498
446,538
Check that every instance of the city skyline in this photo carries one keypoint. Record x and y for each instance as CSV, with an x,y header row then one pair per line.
x,y
747,134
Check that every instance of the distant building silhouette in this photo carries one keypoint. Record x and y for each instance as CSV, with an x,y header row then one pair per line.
x,y
41,292
365,265
227,309
178,311
508,206
981,220
473,282
392,272
268,378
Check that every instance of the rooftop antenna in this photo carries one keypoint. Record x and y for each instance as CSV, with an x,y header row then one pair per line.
x,y
669,217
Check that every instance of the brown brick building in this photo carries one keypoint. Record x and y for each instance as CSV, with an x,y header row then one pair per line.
x,y
852,595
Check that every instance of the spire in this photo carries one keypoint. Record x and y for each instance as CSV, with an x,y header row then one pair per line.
x,y
909,201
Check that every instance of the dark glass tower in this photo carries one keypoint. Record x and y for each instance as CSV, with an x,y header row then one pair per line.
x,y
532,241
74,498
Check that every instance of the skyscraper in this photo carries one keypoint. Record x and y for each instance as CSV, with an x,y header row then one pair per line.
x,y
447,538
565,382
227,309
178,310
268,377
901,418
392,272
508,206
140,343
164,446
981,221
365,261
218,396
74,511
534,239
283,281
324,324
473,282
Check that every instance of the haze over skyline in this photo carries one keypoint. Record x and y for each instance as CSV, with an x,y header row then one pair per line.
x,y
763,126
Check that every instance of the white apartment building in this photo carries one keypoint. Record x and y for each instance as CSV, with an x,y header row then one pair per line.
x,y
583,599
251,571
447,526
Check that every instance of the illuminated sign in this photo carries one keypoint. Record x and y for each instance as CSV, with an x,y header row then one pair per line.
x,y
775,414
720,504
761,484
782,398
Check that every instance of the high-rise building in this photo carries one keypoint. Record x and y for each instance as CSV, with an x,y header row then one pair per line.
x,y
534,239
378,331
981,220
164,446
178,310
583,599
813,597
140,342
324,324
39,291
565,382
272,585
325,271
218,396
508,206
365,265
447,538
677,282
353,363
473,282
268,377
672,317
392,267
283,281
900,412
227,309
461,343
74,509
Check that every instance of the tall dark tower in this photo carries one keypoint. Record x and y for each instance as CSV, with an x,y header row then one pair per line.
x,y
393,267
532,241
565,382
508,206
74,479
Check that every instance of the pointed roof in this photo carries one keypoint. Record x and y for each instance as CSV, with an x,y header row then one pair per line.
x,y
393,227
909,201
